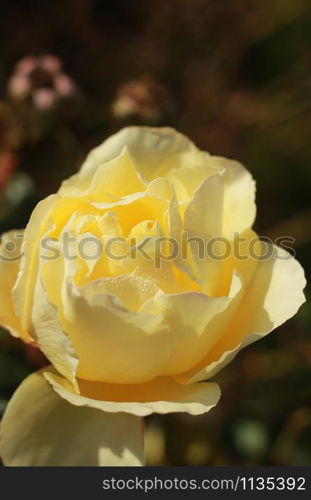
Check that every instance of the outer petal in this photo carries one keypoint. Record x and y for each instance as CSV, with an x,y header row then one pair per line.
x,y
9,266
196,322
113,343
224,204
154,150
161,395
25,285
50,337
274,294
98,325
186,179
41,428
223,258
111,179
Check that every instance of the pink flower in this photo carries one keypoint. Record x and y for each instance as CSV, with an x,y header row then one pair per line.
x,y
19,86
44,98
64,85
42,80
50,63
26,65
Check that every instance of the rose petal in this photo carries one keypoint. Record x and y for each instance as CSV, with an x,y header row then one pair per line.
x,y
9,266
111,179
195,321
99,325
274,294
186,179
50,337
24,287
156,150
224,204
222,258
39,428
161,395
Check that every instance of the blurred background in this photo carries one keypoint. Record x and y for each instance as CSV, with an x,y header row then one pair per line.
x,y
233,76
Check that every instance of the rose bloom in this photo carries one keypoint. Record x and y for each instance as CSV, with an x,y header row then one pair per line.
x,y
125,337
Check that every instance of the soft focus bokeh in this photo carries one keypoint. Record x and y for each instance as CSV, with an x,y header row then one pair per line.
x,y
236,78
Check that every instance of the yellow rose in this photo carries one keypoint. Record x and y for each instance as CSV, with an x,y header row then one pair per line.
x,y
131,326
